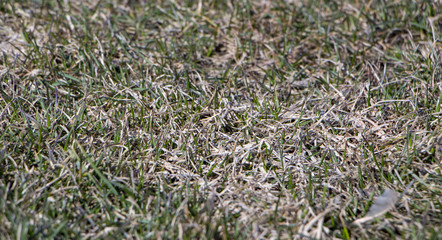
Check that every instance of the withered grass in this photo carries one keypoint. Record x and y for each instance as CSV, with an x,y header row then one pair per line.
x,y
219,119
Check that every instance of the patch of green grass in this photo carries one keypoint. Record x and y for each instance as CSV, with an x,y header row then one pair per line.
x,y
219,120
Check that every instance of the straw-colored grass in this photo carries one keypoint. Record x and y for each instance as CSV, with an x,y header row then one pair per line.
x,y
220,119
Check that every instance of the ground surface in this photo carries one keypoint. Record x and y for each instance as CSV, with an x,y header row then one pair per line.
x,y
219,119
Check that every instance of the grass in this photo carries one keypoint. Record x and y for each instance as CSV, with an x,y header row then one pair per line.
x,y
219,119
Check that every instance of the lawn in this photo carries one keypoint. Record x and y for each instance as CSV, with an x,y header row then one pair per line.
x,y
220,119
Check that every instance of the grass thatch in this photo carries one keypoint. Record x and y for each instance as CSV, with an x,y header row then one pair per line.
x,y
219,119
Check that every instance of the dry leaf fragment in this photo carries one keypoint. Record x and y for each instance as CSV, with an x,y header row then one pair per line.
x,y
383,204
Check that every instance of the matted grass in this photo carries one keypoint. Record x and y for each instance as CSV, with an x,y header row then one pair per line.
x,y
219,119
